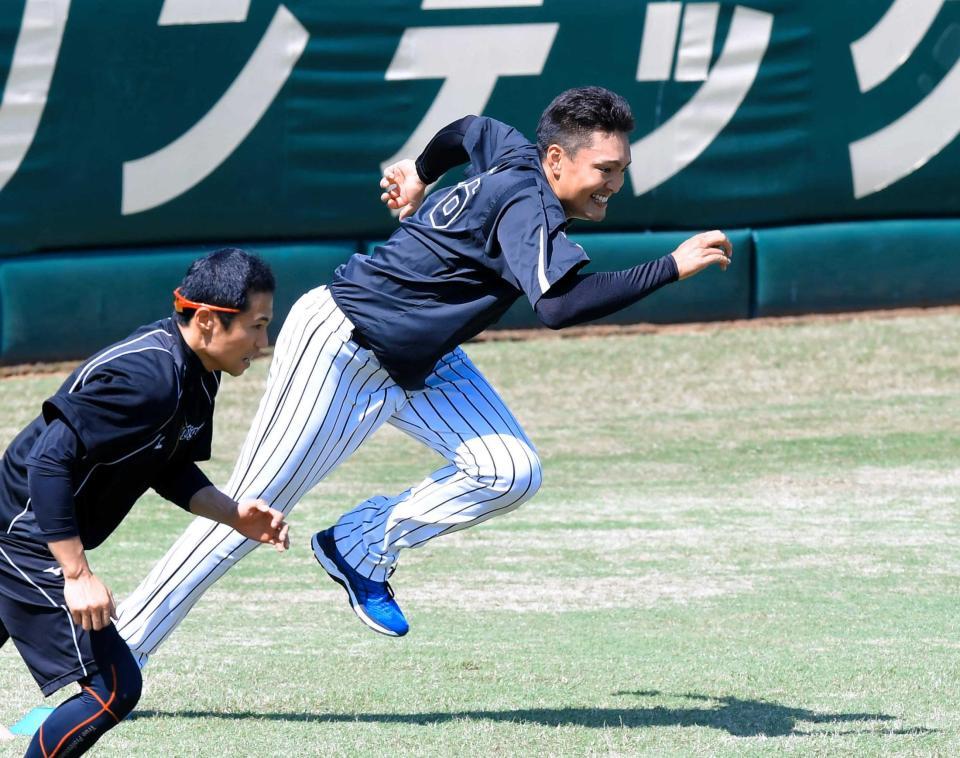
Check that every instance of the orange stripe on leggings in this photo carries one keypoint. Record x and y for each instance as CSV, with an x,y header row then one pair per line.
x,y
96,697
105,708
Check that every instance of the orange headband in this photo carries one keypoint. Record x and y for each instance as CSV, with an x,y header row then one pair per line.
x,y
180,303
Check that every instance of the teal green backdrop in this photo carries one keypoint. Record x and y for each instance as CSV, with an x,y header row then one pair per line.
x,y
162,127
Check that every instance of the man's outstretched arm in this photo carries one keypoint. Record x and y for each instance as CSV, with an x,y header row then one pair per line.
x,y
186,485
578,298
254,519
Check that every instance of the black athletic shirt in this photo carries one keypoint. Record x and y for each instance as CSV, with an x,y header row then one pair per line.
x,y
134,416
456,266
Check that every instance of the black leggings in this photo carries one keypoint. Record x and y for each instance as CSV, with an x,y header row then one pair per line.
x,y
104,700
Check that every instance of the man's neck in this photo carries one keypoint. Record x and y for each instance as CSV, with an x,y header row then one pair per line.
x,y
554,185
194,340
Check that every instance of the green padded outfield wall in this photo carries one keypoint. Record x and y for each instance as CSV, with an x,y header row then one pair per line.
x,y
68,306
129,126
834,267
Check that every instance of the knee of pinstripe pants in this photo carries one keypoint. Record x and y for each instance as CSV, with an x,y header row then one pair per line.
x,y
455,497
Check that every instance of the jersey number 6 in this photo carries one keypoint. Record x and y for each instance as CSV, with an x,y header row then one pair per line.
x,y
451,206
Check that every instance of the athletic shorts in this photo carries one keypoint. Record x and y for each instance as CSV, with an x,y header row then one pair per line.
x,y
34,614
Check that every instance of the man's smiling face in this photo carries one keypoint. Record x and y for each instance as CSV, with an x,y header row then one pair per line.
x,y
586,179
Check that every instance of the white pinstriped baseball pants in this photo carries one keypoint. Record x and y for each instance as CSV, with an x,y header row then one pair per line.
x,y
325,395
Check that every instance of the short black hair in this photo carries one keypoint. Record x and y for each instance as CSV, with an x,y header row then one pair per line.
x,y
225,277
574,115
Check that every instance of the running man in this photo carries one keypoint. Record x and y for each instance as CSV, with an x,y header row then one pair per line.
x,y
134,416
380,344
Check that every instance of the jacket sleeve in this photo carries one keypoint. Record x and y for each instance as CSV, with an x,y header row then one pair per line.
x,y
489,142
117,407
534,257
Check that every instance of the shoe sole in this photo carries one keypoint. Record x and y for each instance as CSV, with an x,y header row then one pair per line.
x,y
328,565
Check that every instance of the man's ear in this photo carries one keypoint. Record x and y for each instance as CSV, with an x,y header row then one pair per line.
x,y
204,319
555,155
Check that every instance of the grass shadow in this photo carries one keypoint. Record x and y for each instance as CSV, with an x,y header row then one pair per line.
x,y
737,717
753,718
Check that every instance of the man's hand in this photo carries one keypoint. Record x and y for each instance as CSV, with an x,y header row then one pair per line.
x,y
254,519
701,251
403,189
258,521
89,601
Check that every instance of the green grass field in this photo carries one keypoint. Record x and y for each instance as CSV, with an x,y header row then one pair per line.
x,y
747,543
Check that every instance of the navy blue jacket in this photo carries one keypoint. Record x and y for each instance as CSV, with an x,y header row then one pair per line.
x,y
456,266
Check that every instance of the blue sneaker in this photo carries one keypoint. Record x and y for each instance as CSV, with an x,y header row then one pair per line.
x,y
372,601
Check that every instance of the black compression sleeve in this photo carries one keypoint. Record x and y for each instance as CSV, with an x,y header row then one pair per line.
x,y
49,481
180,482
577,298
444,151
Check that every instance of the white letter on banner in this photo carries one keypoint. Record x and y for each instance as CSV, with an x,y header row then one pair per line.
x,y
900,148
28,83
436,5
883,49
696,41
660,26
176,12
159,177
469,59
680,141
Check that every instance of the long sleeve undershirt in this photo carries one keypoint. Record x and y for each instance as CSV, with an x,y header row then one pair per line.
x,y
50,482
444,151
584,297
